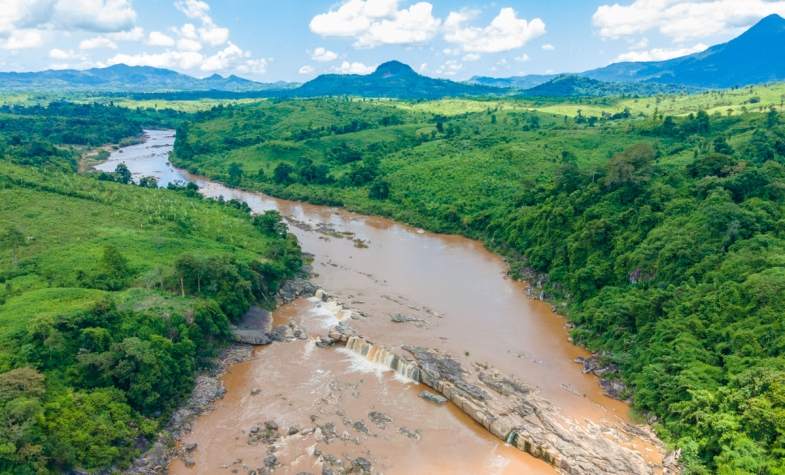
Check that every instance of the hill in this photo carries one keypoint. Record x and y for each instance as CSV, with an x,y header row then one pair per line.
x,y
121,77
103,323
392,79
662,237
572,85
755,57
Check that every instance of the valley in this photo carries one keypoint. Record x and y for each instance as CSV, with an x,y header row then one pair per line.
x,y
351,264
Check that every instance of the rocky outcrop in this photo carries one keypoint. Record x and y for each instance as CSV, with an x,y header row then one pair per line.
x,y
515,413
294,289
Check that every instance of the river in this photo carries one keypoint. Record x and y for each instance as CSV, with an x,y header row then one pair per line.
x,y
462,302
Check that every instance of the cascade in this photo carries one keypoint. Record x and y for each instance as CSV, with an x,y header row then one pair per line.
x,y
381,356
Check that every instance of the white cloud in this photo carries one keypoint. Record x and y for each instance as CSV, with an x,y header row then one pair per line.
x,y
323,55
156,38
471,57
170,59
681,20
92,15
378,22
522,58
23,39
60,55
255,67
548,47
97,42
187,44
134,34
23,23
660,54
225,59
449,68
505,32
209,32
307,70
354,68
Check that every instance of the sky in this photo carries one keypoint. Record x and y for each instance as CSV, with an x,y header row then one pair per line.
x,y
295,40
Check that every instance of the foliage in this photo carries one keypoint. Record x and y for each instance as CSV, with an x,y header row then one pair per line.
x,y
663,234
105,313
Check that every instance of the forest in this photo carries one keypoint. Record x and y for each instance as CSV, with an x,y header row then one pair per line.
x,y
112,295
662,236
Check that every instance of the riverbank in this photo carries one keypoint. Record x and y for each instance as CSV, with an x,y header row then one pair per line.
x,y
209,388
405,287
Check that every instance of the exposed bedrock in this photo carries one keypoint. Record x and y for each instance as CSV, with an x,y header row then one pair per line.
x,y
515,413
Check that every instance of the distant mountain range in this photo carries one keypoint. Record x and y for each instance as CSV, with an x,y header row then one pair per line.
x,y
756,56
127,79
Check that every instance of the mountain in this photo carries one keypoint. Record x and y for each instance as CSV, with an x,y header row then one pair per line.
x,y
514,82
757,56
123,78
392,79
573,85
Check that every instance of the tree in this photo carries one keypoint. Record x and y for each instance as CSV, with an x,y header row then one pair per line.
x,y
379,190
282,174
115,270
235,173
631,167
123,174
148,182
721,145
568,177
21,391
772,118
270,223
13,239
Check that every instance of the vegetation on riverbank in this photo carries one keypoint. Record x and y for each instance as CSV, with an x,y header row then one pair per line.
x,y
112,295
665,234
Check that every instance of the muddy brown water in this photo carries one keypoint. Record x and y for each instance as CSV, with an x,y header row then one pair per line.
x,y
465,305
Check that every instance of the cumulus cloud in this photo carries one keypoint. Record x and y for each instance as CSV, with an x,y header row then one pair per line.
x,y
548,47
60,55
90,15
682,20
522,58
323,55
94,15
504,33
187,44
225,59
97,42
255,67
184,60
209,32
134,34
347,67
307,70
378,22
156,38
450,67
22,39
660,54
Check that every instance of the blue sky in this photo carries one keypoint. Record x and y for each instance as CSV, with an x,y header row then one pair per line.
x,y
295,40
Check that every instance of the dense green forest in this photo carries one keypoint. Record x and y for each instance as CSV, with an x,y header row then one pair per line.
x,y
112,295
663,236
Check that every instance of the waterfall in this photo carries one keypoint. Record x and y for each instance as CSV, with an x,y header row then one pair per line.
x,y
380,356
